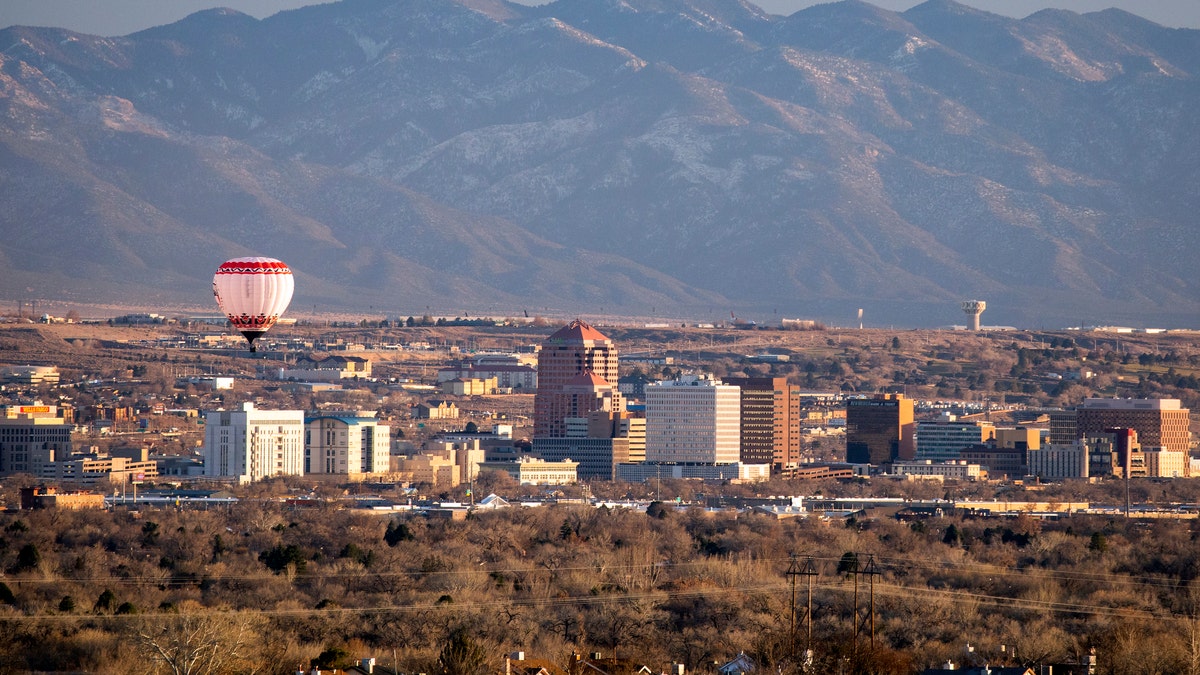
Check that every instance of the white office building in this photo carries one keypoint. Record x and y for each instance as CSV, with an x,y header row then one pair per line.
x,y
252,444
693,419
346,443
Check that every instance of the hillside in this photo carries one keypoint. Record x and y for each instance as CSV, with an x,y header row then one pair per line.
x,y
665,157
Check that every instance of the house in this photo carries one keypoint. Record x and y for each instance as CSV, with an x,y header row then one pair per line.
x,y
596,664
435,410
740,664
328,369
516,664
492,502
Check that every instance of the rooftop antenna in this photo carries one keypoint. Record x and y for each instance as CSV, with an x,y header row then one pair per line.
x,y
973,308
860,318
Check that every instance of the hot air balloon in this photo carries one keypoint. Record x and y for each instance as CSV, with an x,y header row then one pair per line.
x,y
253,292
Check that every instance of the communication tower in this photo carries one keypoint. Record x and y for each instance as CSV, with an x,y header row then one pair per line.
x,y
973,308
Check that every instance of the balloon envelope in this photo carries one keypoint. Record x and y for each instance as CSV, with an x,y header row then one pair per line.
x,y
253,292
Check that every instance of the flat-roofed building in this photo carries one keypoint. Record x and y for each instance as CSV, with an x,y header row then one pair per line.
x,y
43,497
251,444
31,436
1161,423
611,438
471,386
1162,463
650,471
880,430
346,443
30,375
770,430
942,441
443,463
532,471
433,469
693,419
951,470
1029,438
96,470
1063,427
1058,462
1000,463
517,377
1115,453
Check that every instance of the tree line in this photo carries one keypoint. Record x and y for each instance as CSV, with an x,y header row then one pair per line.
x,y
258,587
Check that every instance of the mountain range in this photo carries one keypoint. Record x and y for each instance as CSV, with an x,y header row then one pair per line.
x,y
667,158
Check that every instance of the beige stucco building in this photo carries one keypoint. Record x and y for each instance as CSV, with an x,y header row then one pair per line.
x,y
530,471
442,464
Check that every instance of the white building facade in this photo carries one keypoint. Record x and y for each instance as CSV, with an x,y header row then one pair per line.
x,y
251,444
1057,462
693,419
1162,463
346,443
951,470
532,471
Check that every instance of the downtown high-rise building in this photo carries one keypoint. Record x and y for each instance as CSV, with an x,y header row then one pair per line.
x,y
770,429
577,375
1161,423
32,436
693,419
880,430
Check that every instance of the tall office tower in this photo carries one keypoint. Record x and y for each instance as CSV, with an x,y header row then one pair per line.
x,y
693,419
254,444
1161,423
32,436
769,434
573,350
347,443
879,429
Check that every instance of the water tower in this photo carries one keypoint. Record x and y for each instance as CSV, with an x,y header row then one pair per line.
x,y
973,308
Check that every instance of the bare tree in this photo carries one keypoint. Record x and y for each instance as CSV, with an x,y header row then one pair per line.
x,y
197,644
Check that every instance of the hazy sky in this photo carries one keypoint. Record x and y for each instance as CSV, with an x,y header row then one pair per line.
x,y
119,17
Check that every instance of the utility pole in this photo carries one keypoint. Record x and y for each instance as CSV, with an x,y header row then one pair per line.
x,y
808,569
792,572
865,623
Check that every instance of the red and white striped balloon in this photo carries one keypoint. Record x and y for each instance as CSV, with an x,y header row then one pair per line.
x,y
253,292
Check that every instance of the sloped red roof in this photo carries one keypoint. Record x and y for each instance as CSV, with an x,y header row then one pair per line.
x,y
587,379
577,331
